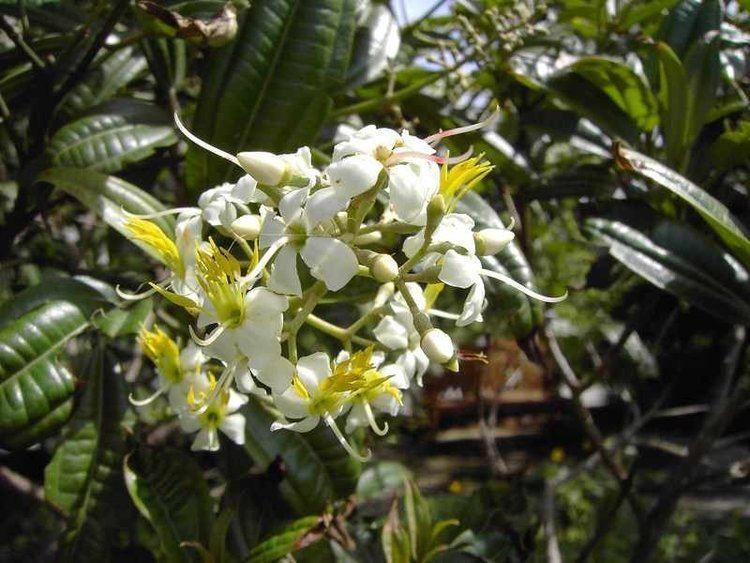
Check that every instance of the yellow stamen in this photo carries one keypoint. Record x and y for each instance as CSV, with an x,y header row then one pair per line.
x,y
462,177
163,351
150,234
219,276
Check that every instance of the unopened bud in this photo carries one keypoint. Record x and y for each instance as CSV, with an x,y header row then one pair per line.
x,y
492,241
368,239
384,268
437,345
247,227
267,168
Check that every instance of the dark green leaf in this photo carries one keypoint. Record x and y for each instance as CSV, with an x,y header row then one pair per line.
x,y
108,141
673,103
318,469
168,489
269,89
382,479
36,390
104,81
107,196
121,322
688,22
732,148
703,72
84,478
677,259
721,220
284,542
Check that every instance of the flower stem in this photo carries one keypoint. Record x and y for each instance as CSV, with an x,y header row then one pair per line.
x,y
336,331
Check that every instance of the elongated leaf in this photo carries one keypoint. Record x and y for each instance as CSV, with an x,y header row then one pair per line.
x,y
84,478
721,220
622,86
269,89
703,72
677,259
35,390
168,489
103,81
107,141
732,148
688,22
318,469
284,542
673,103
523,314
107,196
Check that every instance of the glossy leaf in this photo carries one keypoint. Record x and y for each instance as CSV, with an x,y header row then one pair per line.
x,y
703,72
35,389
107,142
168,489
318,469
269,89
688,22
721,220
673,103
107,196
122,322
732,148
84,478
677,259
284,542
104,81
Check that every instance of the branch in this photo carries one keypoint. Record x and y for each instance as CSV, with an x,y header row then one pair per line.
x,y
19,42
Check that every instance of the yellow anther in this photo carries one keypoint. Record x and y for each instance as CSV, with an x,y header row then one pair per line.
x,y
163,351
219,276
462,177
150,234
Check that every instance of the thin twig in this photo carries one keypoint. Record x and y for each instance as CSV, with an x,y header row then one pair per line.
x,y
16,482
19,42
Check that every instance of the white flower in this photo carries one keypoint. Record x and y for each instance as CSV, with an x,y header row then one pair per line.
x,y
219,414
396,332
294,169
328,258
219,205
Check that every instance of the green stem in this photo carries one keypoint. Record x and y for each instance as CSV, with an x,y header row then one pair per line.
x,y
309,301
336,331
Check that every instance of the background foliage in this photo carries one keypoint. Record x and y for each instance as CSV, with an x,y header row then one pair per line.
x,y
622,153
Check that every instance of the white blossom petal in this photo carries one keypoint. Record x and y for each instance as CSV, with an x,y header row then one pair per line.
x,y
304,425
313,369
233,427
473,306
330,260
324,204
276,374
459,270
391,333
207,439
284,277
354,175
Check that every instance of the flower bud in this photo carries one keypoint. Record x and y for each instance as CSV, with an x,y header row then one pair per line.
x,y
492,241
267,168
384,268
437,345
247,226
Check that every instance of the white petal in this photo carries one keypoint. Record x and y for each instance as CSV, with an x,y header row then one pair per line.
x,y
413,243
284,277
304,425
324,204
313,369
246,190
276,374
392,334
189,423
354,175
291,204
459,270
474,305
207,439
396,374
258,346
409,197
291,405
357,417
234,428
330,260
261,303
236,400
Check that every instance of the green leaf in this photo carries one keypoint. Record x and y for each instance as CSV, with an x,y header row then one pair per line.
x,y
732,148
270,89
284,542
636,12
122,322
107,196
418,521
624,88
35,390
168,489
318,469
703,71
104,80
84,478
721,220
609,93
677,259
382,479
673,103
688,22
107,141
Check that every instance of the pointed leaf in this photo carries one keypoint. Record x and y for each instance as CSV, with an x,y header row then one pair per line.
x,y
84,478
284,542
721,220
35,390
168,489
269,89
318,469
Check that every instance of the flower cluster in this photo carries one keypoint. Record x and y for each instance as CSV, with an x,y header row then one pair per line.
x,y
255,258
